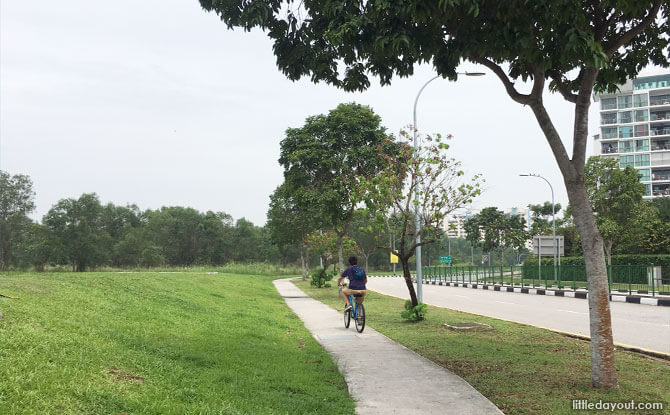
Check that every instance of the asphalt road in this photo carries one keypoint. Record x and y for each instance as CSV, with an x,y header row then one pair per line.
x,y
636,325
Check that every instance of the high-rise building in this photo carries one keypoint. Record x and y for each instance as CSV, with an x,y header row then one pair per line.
x,y
635,130
454,224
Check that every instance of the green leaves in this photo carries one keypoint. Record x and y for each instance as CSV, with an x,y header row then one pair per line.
x,y
414,312
615,195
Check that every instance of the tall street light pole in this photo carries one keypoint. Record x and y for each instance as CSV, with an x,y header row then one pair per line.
x,y
553,222
417,213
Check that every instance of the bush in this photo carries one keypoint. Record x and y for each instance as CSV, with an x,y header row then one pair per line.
x,y
320,278
414,313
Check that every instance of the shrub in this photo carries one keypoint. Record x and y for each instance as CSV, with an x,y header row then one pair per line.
x,y
414,313
320,278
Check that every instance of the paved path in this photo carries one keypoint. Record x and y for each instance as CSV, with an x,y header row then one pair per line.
x,y
637,325
383,376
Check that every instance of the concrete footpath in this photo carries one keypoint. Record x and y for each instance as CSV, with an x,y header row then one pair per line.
x,y
383,376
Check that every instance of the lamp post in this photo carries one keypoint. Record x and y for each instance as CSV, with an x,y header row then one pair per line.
x,y
553,222
417,214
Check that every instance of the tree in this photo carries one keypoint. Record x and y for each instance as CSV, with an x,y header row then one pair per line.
x,y
574,46
616,198
516,235
327,244
363,233
325,160
662,204
38,247
422,177
77,225
542,220
289,223
16,202
491,230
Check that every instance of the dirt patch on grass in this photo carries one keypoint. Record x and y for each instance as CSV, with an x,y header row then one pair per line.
x,y
468,326
121,376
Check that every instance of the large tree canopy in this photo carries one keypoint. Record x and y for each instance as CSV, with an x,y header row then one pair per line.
x,y
344,42
325,160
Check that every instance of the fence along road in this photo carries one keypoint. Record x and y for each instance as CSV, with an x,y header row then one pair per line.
x,y
635,325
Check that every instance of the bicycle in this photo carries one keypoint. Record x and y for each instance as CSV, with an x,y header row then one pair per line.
x,y
357,311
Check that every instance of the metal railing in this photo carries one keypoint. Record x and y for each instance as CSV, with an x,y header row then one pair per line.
x,y
628,279
660,131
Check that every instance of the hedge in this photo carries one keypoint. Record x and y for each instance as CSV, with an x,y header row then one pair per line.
x,y
573,268
634,259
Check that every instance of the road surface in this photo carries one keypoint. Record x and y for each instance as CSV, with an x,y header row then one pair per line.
x,y
637,325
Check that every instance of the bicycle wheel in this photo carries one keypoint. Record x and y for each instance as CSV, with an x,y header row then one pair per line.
x,y
347,319
360,320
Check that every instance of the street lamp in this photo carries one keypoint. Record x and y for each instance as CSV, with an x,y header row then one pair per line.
x,y
419,276
553,222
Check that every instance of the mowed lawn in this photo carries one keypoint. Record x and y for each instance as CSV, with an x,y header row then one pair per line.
x,y
159,343
521,369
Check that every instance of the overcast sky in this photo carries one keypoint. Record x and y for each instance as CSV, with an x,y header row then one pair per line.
x,y
156,103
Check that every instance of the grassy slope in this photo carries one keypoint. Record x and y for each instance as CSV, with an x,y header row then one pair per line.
x,y
149,343
522,369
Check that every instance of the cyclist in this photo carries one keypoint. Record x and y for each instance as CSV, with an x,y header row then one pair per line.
x,y
357,280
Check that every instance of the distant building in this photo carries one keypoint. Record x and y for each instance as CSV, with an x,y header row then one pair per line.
x,y
454,224
635,130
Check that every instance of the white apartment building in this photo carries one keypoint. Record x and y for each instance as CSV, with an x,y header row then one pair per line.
x,y
635,130
454,224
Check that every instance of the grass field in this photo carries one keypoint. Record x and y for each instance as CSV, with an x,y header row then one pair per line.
x,y
522,369
150,343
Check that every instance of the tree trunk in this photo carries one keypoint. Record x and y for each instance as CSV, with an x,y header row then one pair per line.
x,y
4,243
340,259
603,371
608,252
408,280
302,262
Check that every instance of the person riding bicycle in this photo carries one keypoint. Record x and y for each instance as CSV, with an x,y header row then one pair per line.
x,y
357,280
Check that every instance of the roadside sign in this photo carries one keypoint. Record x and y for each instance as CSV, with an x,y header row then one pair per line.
x,y
445,259
394,259
547,246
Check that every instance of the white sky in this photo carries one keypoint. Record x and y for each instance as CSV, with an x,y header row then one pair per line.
x,y
157,103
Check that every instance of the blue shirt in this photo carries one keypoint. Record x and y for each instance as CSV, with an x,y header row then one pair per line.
x,y
356,277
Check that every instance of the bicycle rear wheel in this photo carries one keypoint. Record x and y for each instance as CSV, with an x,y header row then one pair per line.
x,y
360,319
347,319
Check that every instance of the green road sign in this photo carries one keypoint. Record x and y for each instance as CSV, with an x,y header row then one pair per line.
x,y
445,259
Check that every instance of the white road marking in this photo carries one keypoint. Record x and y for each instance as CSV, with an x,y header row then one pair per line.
x,y
570,311
462,296
505,302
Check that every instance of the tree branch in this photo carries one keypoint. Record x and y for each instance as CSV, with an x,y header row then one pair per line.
x,y
562,87
580,132
509,86
612,46
553,138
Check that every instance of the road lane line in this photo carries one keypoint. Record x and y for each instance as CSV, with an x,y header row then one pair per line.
x,y
505,302
570,311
